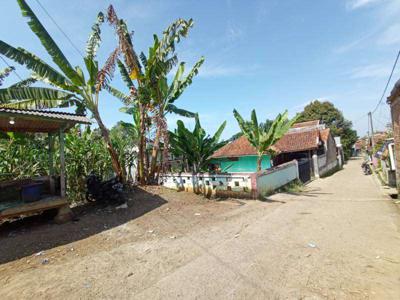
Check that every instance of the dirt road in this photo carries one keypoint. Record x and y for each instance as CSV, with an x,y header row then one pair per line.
x,y
339,239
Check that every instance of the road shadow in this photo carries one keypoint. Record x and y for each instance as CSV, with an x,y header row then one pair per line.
x,y
308,192
37,233
269,200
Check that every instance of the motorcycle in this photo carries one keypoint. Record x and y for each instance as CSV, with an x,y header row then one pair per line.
x,y
366,168
108,192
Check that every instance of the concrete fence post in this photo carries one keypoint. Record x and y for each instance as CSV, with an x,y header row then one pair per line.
x,y
315,164
297,168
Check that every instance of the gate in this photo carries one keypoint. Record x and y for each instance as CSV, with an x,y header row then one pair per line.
x,y
304,170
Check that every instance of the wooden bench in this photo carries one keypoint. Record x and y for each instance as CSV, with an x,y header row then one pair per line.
x,y
54,202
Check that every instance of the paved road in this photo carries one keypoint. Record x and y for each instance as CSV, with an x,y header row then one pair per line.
x,y
339,239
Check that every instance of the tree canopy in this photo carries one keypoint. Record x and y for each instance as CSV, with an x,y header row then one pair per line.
x,y
333,118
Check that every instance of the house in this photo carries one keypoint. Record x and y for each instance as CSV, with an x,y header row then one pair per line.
x,y
385,162
238,156
311,143
308,142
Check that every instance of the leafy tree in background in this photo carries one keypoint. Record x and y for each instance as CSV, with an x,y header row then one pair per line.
x,y
125,137
195,146
263,137
333,118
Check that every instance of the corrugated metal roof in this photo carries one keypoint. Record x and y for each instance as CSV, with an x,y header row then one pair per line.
x,y
47,114
29,120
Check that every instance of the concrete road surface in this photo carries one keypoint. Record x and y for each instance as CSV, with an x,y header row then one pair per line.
x,y
339,239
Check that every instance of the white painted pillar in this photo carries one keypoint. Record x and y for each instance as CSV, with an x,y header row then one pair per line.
x,y
315,164
297,168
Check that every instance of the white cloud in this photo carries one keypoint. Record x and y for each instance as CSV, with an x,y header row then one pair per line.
x,y
371,71
390,36
352,45
218,71
225,71
355,4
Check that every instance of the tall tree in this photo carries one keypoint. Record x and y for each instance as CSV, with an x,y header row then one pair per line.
x,y
333,118
263,137
153,97
68,86
195,146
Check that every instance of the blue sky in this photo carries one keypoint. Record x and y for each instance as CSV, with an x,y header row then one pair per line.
x,y
269,55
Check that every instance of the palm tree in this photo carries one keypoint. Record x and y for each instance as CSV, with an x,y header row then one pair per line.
x,y
68,86
195,146
154,97
263,137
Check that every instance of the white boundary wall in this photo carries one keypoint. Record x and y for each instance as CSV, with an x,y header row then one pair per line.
x,y
239,185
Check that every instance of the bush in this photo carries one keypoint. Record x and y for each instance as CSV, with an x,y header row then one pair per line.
x,y
26,155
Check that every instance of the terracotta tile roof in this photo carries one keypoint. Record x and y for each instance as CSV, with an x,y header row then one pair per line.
x,y
238,147
324,134
290,142
305,136
298,141
306,124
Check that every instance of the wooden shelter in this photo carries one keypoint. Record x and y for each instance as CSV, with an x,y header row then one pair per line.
x,y
21,197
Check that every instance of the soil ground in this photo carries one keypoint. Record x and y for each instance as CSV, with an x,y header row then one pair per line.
x,y
339,239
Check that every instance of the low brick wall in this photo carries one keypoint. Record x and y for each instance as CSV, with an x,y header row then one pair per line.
x,y
211,185
236,185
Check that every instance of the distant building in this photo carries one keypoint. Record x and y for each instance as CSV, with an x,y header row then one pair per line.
x,y
238,156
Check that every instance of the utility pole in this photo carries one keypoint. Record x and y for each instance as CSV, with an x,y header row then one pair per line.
x,y
372,130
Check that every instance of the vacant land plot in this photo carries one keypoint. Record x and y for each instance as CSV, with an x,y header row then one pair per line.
x,y
338,239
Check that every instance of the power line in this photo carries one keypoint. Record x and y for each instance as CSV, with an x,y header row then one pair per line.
x,y
360,118
380,122
59,28
387,84
15,71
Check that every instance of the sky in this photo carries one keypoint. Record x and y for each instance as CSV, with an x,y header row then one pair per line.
x,y
270,55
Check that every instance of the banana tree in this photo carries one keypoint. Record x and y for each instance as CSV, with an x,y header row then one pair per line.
x,y
163,105
196,146
263,137
68,85
5,73
154,97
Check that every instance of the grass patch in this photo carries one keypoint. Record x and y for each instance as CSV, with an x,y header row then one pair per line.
x,y
295,186
332,171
